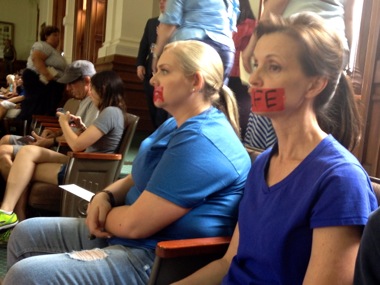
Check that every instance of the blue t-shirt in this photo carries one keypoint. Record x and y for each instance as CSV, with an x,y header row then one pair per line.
x,y
198,19
202,165
331,10
328,188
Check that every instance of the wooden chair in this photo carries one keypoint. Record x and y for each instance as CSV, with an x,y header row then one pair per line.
x,y
23,127
93,171
176,259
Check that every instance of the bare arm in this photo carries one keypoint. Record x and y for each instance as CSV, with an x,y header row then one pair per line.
x,y
16,99
149,214
348,20
333,255
214,272
146,216
275,7
99,207
164,33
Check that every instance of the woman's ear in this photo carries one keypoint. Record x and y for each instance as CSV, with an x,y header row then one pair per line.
x,y
316,86
198,81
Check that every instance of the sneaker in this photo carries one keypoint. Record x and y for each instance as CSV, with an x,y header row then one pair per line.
x,y
7,221
4,237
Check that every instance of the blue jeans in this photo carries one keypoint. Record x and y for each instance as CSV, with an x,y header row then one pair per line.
x,y
226,54
58,251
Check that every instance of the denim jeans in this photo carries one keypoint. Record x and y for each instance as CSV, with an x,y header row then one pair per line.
x,y
226,54
58,251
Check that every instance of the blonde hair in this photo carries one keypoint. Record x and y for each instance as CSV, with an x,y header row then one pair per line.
x,y
10,77
197,56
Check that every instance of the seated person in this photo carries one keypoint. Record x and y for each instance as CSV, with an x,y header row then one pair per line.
x,y
11,85
77,78
368,260
170,194
34,163
9,107
307,198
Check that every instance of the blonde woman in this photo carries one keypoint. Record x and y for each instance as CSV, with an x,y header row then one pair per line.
x,y
170,194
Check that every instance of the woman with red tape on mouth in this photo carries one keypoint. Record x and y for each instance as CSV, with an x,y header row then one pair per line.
x,y
170,194
307,198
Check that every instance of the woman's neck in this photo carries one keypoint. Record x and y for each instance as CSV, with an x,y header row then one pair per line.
x,y
181,115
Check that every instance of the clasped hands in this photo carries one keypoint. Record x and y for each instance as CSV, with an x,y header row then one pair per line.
x,y
97,212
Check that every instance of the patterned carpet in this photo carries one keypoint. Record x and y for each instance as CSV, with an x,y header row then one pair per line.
x,y
3,261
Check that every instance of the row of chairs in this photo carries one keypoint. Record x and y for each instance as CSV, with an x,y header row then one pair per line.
x,y
174,259
93,171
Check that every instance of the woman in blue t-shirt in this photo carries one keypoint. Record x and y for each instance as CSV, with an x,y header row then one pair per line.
x,y
186,182
307,198
209,21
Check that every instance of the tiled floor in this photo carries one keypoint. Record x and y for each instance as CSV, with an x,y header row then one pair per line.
x,y
139,136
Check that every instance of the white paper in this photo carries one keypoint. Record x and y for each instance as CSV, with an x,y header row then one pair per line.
x,y
78,191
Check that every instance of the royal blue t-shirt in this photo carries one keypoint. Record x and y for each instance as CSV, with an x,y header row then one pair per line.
x,y
202,165
328,188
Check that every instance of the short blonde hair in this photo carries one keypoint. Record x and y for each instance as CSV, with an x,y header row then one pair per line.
x,y
10,77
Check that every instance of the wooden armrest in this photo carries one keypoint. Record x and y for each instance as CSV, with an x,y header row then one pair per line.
x,y
48,120
253,149
53,129
41,117
188,247
50,124
63,144
95,155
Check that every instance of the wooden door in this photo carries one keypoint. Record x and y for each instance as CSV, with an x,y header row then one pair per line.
x,y
90,24
369,149
58,15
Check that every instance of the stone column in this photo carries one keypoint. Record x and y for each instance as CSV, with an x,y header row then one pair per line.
x,y
125,25
68,22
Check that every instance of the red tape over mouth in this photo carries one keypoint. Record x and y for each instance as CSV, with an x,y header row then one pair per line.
x,y
267,99
158,94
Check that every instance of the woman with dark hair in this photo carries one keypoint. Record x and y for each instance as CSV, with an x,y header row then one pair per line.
x,y
307,198
44,66
34,163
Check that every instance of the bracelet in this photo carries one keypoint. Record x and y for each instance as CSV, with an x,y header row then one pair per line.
x,y
111,198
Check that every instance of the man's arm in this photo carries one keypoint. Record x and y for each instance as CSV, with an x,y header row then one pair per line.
x,y
348,20
164,33
275,7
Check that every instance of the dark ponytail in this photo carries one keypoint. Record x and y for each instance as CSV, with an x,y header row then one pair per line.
x,y
341,117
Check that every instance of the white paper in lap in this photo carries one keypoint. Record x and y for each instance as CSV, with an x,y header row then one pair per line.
x,y
78,191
